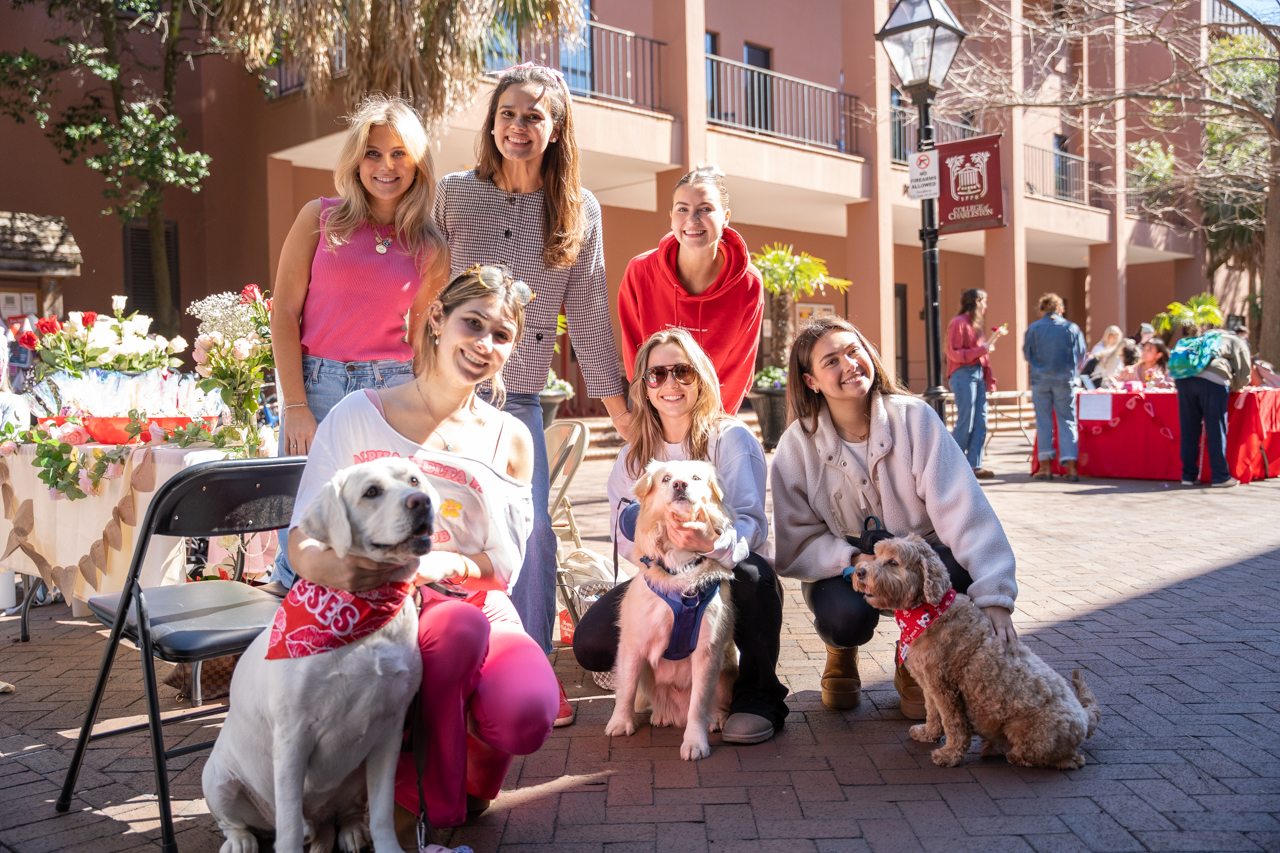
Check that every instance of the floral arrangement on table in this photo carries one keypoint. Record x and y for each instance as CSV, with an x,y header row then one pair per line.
x,y
556,385
68,471
770,379
89,340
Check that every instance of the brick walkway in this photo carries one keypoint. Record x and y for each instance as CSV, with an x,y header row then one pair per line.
x,y
1165,598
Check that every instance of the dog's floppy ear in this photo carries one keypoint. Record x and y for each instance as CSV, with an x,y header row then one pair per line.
x,y
716,491
326,518
645,484
936,578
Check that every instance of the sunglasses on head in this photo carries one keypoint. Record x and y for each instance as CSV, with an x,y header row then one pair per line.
x,y
656,377
521,290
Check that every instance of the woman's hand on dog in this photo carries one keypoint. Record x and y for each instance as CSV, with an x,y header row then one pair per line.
x,y
318,563
441,566
1002,620
689,538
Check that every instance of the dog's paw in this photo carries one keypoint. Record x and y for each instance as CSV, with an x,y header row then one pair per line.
x,y
947,757
239,841
921,733
354,837
692,750
620,727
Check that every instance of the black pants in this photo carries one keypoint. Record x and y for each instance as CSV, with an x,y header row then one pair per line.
x,y
1200,400
757,601
842,617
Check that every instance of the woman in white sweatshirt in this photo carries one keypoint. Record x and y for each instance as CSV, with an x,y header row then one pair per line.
x,y
676,414
859,447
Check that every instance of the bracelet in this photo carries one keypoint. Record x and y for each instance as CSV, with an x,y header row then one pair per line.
x,y
466,568
292,406
620,414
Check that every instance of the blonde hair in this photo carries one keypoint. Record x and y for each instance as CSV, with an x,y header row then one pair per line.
x,y
413,223
479,282
563,222
647,437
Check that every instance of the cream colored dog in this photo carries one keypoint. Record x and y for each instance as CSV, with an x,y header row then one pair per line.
x,y
308,737
972,683
685,686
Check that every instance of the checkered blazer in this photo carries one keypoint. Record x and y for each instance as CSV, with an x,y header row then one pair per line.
x,y
485,225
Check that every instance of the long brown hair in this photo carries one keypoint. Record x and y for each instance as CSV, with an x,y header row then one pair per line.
x,y
478,282
969,305
562,218
646,427
805,404
413,223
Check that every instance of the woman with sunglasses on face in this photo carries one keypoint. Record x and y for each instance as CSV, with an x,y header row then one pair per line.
x,y
857,448
699,278
524,206
675,399
355,273
488,691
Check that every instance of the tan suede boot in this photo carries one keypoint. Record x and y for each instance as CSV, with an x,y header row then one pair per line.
x,y
1072,475
911,694
841,686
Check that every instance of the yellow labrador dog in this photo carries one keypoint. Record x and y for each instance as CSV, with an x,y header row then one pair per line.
x,y
676,621
318,702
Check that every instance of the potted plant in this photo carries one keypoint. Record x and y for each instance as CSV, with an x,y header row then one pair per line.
x,y
555,392
1201,310
787,276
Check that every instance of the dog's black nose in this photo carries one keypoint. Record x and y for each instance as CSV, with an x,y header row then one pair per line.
x,y
861,573
418,501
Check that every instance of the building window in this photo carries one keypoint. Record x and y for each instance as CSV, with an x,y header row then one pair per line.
x,y
139,284
758,97
713,44
757,57
900,320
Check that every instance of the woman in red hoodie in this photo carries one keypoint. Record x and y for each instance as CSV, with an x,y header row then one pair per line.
x,y
700,278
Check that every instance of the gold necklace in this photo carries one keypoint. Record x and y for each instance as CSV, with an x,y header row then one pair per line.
x,y
417,383
383,243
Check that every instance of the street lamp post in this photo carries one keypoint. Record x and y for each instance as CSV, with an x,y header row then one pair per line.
x,y
922,38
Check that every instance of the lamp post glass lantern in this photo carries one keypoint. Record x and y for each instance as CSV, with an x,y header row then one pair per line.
x,y
922,38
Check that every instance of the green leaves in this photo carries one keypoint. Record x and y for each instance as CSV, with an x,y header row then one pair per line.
x,y
785,272
1200,310
26,82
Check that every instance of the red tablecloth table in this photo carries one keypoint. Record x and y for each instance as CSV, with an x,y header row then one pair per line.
x,y
1136,436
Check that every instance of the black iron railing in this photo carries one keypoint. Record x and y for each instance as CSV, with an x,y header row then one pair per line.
x,y
753,99
289,79
902,132
1063,176
606,63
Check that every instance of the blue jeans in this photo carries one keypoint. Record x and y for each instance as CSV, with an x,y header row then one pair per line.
x,y
970,431
534,594
1202,400
326,383
1052,401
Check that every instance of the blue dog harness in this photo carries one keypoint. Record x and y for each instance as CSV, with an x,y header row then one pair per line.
x,y
687,611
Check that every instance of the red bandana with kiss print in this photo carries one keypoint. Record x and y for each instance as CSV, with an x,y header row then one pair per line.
x,y
914,621
315,619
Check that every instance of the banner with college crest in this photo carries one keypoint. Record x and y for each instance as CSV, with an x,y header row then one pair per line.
x,y
970,197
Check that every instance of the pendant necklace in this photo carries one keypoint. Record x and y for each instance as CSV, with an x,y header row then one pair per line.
x,y
447,446
383,243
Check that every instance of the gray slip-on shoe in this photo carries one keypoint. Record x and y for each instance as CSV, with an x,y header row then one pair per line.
x,y
746,728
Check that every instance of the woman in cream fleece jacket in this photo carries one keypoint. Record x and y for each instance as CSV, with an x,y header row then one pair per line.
x,y
859,447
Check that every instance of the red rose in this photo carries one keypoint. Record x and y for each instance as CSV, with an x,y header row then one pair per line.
x,y
48,325
89,318
28,340
268,302
250,294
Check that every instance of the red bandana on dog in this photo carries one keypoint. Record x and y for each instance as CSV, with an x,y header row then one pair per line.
x,y
914,621
315,619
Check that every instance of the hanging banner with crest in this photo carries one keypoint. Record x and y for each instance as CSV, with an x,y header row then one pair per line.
x,y
971,197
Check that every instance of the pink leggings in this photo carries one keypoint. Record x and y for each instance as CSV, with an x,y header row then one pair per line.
x,y
489,694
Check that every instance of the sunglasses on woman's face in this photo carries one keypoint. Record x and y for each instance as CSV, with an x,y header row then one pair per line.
x,y
656,377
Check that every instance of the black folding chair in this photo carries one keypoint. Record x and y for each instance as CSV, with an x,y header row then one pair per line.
x,y
190,622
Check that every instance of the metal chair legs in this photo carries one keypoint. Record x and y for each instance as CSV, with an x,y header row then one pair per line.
x,y
168,843
31,585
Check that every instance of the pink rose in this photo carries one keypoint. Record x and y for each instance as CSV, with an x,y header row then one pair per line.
x,y
115,470
157,434
8,448
86,485
55,495
200,356
74,434
242,349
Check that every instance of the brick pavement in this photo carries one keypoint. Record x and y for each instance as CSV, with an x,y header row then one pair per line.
x,y
1164,597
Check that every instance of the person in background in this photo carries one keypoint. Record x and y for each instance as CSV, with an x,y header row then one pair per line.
x,y
524,206
970,378
1202,399
1264,375
1145,332
1053,346
356,273
1151,369
1110,340
699,278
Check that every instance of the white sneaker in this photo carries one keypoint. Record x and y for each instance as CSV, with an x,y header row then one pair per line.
x,y
1188,482
1225,484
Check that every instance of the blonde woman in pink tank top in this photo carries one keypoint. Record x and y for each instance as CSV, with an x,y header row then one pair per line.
x,y
356,274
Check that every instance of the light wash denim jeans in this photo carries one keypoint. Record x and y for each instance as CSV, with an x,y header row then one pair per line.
x,y
534,594
1058,401
326,383
970,431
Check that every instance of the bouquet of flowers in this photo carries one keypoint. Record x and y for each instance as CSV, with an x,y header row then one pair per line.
x,y
89,340
233,351
558,385
771,378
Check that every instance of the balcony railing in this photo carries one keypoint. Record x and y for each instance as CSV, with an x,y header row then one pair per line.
x,y
289,79
752,99
1063,176
903,132
607,63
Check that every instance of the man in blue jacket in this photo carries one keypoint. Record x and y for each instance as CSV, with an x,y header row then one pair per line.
x,y
1053,347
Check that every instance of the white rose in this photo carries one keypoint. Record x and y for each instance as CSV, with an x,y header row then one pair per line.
x,y
139,324
177,344
75,319
118,302
242,349
204,370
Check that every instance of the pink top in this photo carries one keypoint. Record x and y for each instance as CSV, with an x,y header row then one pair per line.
x,y
965,348
357,299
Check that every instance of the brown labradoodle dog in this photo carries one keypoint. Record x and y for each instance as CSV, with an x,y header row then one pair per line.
x,y
972,683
